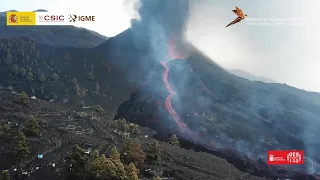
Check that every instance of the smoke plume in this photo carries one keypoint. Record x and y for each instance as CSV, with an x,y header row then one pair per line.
x,y
159,23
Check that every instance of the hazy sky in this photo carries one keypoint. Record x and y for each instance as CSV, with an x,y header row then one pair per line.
x,y
286,53
289,54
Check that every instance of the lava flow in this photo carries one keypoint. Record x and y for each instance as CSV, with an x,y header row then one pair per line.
x,y
173,56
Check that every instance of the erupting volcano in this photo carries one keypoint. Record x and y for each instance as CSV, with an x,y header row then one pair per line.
x,y
174,99
187,94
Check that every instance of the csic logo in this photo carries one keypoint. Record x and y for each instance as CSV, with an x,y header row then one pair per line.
x,y
72,18
51,18
13,18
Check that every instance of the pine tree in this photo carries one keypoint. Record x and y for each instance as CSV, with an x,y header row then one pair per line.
x,y
133,152
24,98
115,155
90,75
32,127
154,152
30,76
77,157
21,146
15,70
55,77
132,172
75,87
97,86
115,158
95,154
5,175
174,140
123,125
22,72
8,59
104,168
42,77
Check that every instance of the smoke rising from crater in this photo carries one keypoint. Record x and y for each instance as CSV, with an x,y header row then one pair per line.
x,y
158,22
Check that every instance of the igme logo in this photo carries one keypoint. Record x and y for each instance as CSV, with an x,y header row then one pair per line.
x,y
74,18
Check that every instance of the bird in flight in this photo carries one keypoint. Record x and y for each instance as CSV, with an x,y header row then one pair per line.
x,y
240,17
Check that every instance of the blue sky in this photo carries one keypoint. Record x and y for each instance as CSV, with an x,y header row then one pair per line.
x,y
289,54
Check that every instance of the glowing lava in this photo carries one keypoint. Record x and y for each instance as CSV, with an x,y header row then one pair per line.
x,y
169,98
173,55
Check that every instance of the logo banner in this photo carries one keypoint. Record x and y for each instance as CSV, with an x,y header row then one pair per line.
x,y
21,18
281,157
48,18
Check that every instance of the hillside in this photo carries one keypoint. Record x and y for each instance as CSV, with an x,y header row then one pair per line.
x,y
57,129
222,109
251,77
58,36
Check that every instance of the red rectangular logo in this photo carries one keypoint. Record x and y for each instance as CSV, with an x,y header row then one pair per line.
x,y
279,157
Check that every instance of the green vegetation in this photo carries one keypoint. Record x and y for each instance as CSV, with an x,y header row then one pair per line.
x,y
24,98
32,127
78,158
132,172
42,77
98,109
103,168
111,167
90,75
55,77
156,178
21,147
29,76
153,152
22,72
115,158
124,126
77,89
132,152
8,58
97,87
174,141
15,70
100,166
5,175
